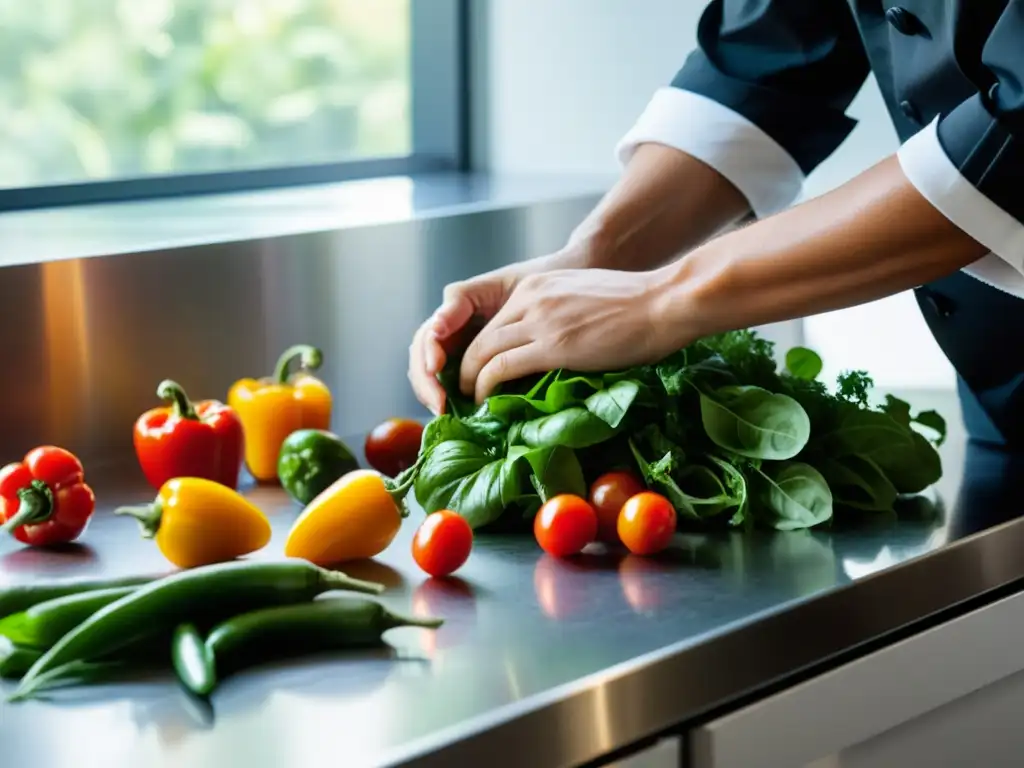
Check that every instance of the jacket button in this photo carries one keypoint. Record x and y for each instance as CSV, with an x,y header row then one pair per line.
x,y
910,111
939,304
903,21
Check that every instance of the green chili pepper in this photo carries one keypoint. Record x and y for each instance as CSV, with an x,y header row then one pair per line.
x,y
19,598
44,624
15,660
192,662
310,461
208,593
276,633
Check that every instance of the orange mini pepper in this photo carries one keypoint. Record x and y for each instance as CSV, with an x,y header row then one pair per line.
x,y
272,408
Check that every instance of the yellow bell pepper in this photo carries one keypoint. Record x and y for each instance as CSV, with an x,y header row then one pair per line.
x,y
198,522
355,518
272,408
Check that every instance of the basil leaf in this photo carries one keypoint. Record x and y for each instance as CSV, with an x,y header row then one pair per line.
x,y
611,404
755,423
468,479
898,410
574,428
803,363
873,434
597,420
795,496
555,470
856,481
933,421
736,483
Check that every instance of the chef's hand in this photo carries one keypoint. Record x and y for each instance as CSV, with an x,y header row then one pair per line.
x,y
586,320
478,298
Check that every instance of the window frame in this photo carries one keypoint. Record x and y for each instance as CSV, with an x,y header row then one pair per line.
x,y
439,71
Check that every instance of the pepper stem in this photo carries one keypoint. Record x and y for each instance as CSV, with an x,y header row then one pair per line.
x,y
311,359
395,620
330,580
36,506
173,392
148,516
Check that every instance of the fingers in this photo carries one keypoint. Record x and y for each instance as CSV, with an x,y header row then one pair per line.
x,y
422,374
454,312
492,341
508,365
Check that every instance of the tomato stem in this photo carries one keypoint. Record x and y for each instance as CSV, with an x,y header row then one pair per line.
x,y
311,358
172,392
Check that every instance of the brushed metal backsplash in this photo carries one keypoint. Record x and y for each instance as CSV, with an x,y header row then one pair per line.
x,y
86,341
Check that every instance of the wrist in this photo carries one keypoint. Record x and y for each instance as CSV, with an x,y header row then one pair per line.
x,y
691,296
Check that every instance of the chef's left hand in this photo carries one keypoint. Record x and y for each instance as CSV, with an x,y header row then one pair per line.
x,y
583,319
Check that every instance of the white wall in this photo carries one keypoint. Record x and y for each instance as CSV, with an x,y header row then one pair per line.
x,y
559,81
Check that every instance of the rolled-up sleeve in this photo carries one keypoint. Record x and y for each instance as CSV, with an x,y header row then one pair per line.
x,y
763,97
969,163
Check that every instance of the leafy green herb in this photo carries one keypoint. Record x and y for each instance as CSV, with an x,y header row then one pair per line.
x,y
716,427
796,496
753,422
803,363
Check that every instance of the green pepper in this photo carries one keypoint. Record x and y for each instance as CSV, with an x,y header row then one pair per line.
x,y
192,661
45,623
15,659
18,598
271,634
205,594
310,460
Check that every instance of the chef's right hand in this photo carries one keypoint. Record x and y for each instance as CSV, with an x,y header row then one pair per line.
x,y
477,298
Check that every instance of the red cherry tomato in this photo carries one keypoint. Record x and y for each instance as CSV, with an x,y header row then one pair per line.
x,y
393,445
647,523
565,525
442,543
607,495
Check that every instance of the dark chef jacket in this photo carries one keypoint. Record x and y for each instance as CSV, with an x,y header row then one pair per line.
x,y
763,101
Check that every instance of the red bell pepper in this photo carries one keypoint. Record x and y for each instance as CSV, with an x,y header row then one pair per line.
x,y
203,439
44,499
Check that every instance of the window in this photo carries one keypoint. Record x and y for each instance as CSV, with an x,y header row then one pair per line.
x,y
117,98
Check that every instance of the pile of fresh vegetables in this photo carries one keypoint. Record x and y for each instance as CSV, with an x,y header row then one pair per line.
x,y
714,435
206,622
716,429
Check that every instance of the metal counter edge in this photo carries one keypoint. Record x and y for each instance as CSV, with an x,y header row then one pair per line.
x,y
669,689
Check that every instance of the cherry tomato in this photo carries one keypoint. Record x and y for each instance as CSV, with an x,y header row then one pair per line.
x,y
442,543
565,525
607,495
647,523
393,445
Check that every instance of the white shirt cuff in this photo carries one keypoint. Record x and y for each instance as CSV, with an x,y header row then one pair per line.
x,y
757,165
928,167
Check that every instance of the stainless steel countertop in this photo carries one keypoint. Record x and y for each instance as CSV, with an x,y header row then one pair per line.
x,y
541,662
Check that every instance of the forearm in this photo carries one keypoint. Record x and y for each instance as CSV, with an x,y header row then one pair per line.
x,y
870,238
665,203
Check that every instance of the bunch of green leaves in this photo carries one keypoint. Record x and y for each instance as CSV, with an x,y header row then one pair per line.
x,y
717,428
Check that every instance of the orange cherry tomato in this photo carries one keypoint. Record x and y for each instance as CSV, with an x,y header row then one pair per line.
x,y
442,544
393,445
647,523
565,525
607,495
